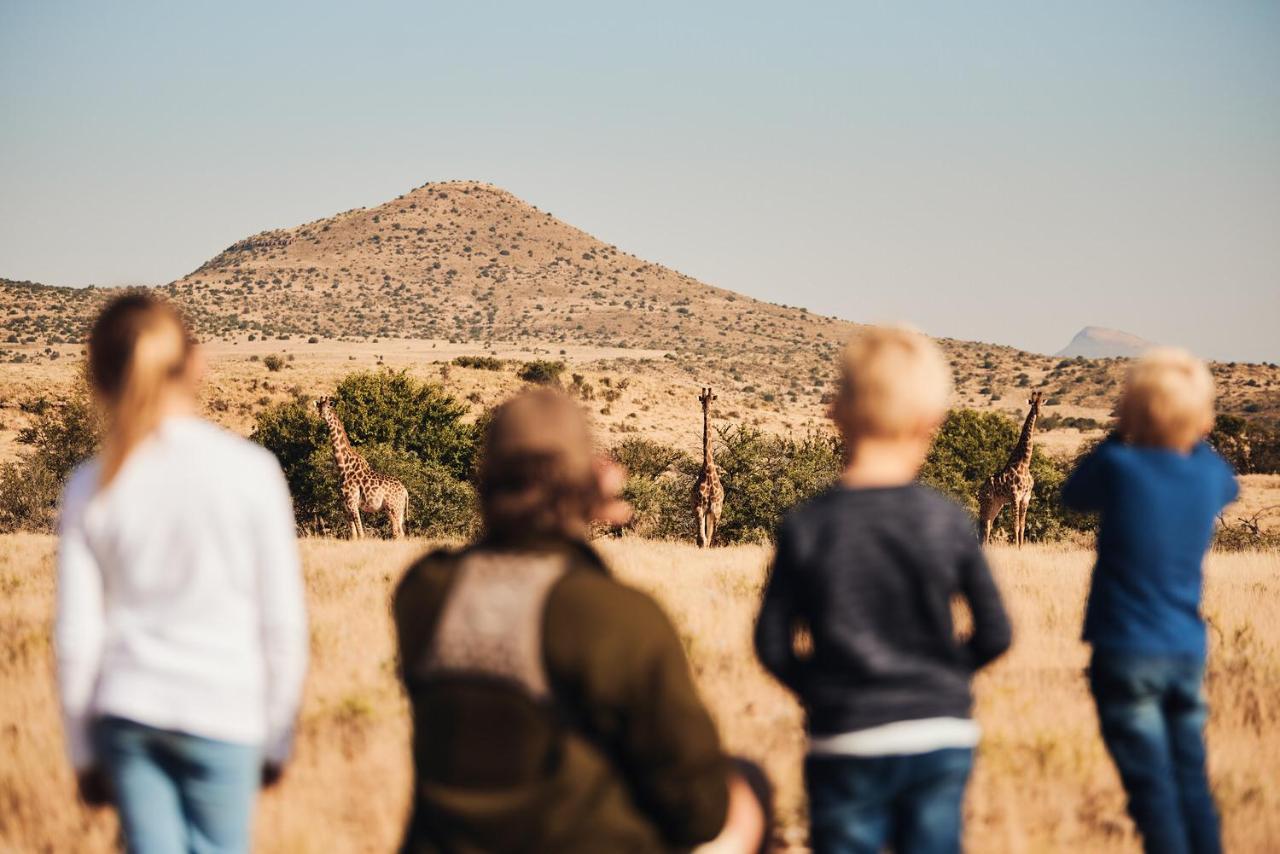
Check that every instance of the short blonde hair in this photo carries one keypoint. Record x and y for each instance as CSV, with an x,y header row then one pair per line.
x,y
1167,400
894,382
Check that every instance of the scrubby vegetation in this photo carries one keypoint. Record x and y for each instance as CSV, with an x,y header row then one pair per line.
x,y
541,372
415,430
405,428
971,446
764,475
61,435
1251,446
484,363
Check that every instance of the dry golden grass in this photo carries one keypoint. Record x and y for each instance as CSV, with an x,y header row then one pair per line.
x,y
1043,782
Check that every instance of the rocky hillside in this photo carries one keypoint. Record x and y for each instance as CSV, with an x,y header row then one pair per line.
x,y
466,262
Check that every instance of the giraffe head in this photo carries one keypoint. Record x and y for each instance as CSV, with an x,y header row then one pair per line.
x,y
706,397
324,405
1034,400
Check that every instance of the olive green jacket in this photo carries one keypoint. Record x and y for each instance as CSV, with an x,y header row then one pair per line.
x,y
623,756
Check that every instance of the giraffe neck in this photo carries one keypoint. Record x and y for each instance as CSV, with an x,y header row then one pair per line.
x,y
1021,455
706,436
338,436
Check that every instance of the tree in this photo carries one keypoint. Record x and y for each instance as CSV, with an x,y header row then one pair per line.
x,y
405,428
971,446
393,408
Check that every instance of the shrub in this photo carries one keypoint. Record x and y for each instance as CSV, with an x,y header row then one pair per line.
x,y
484,363
971,446
273,362
1054,421
763,476
439,504
29,495
1250,446
645,458
767,475
541,371
405,428
61,436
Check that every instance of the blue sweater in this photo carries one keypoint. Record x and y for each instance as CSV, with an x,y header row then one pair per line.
x,y
1157,511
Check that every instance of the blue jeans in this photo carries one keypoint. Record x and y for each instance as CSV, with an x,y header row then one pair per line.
x,y
912,802
176,792
1152,713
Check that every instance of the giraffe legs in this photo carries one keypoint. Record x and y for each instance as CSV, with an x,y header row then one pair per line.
x,y
712,521
1020,521
397,510
704,538
988,510
351,502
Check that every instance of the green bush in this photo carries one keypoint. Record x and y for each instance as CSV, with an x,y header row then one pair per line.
x,y
29,495
405,428
439,504
659,481
1250,445
61,436
393,408
541,372
763,476
645,458
971,446
484,363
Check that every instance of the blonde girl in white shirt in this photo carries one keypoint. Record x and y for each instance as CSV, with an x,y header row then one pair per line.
x,y
181,632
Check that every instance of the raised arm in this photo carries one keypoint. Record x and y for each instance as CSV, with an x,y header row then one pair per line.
x,y
282,617
80,624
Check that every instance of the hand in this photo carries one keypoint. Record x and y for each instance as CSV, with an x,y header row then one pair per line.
x,y
744,825
610,478
271,774
94,788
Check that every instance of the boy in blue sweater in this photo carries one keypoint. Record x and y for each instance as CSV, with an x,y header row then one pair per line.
x,y
1157,487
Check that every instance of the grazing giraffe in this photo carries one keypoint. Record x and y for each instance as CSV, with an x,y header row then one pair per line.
x,y
708,491
1012,484
362,487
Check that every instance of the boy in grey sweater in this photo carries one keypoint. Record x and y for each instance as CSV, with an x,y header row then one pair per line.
x,y
868,571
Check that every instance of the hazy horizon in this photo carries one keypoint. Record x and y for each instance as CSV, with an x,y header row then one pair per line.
x,y
989,171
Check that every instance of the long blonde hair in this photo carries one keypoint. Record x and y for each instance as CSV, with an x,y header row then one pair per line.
x,y
138,346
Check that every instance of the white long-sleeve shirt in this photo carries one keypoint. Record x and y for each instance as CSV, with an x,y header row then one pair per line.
x,y
180,599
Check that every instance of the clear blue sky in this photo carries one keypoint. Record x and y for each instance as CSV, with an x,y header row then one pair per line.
x,y
1004,171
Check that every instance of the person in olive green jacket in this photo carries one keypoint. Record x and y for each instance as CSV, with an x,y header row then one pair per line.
x,y
553,708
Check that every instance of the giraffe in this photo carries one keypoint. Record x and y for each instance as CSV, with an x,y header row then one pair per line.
x,y
362,487
708,491
1012,484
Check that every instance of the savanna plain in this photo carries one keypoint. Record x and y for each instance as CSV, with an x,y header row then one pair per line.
x,y
1042,781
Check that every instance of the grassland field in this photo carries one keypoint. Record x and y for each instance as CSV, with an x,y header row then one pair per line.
x,y
1042,782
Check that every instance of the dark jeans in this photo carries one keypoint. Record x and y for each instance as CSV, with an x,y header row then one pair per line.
x,y
912,803
1152,713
